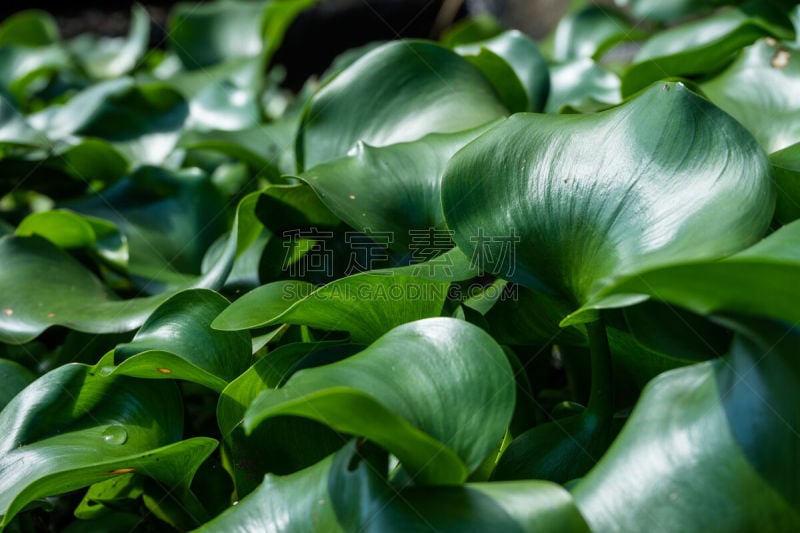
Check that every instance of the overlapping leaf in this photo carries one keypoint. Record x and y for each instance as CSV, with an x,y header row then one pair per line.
x,y
578,192
443,363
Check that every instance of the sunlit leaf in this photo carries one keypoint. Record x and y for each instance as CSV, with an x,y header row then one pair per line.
x,y
567,202
398,92
451,402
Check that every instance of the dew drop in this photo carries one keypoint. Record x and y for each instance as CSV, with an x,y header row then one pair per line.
x,y
351,196
115,435
106,370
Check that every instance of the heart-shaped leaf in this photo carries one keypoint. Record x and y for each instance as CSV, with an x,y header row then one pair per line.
x,y
577,190
394,189
705,45
760,90
512,50
449,406
396,93
177,342
72,427
736,417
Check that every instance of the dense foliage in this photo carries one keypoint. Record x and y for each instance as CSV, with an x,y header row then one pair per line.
x,y
470,285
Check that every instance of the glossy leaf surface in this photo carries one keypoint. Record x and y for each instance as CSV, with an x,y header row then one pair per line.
x,y
444,361
581,209
441,93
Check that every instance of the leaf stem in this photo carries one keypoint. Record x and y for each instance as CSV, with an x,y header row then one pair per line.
x,y
601,395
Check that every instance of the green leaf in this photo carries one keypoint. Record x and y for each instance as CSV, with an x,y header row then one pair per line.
x,y
758,280
204,35
143,121
396,93
297,503
394,189
14,377
735,417
365,502
589,32
285,207
786,172
72,428
703,46
21,66
582,83
512,50
281,445
31,27
42,286
177,342
366,305
760,90
106,57
169,218
577,192
471,30
68,230
450,404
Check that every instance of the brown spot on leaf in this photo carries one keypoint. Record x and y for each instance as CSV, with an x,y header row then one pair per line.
x,y
351,196
51,315
781,58
8,312
164,370
122,471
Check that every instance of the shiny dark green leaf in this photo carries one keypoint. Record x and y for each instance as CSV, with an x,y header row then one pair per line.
x,y
365,502
177,342
724,431
13,378
760,90
451,402
281,445
759,280
392,189
366,305
703,46
786,171
42,286
396,93
512,50
72,428
566,202
297,503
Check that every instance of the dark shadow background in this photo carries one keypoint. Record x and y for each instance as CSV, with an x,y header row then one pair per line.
x,y
319,34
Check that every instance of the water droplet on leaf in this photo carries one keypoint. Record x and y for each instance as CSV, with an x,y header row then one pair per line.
x,y
115,435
